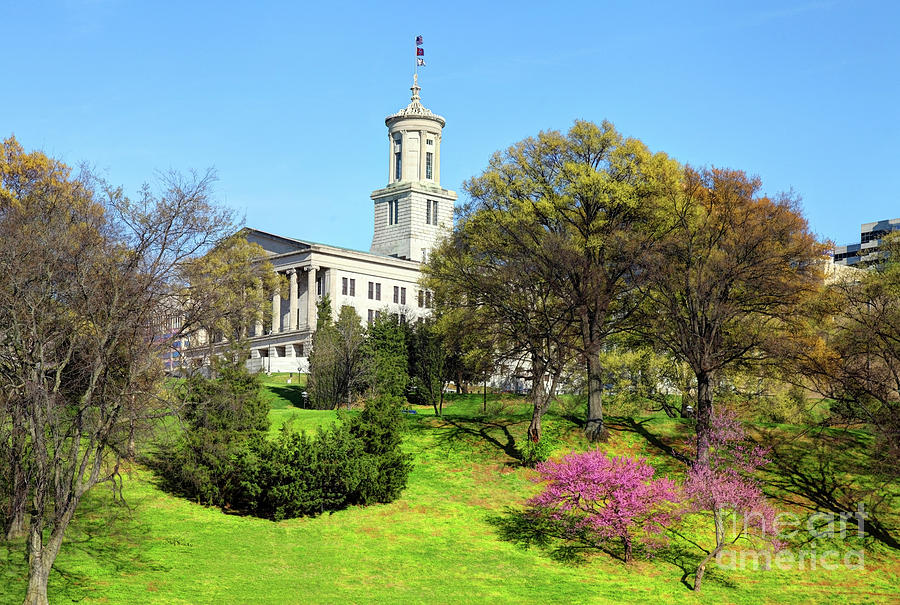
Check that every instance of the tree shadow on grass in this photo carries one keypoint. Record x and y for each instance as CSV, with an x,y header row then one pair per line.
x,y
291,393
640,427
104,536
831,472
495,433
527,529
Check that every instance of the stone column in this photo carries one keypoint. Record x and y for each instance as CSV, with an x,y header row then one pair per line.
x,y
436,160
276,312
391,176
311,296
423,149
258,326
333,293
292,320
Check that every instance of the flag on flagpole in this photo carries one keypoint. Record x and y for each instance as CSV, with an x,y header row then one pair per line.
x,y
420,52
420,62
418,40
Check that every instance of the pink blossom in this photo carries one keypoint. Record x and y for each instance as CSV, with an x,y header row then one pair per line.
x,y
609,497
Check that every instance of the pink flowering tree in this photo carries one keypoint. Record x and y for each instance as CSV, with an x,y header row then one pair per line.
x,y
608,498
723,487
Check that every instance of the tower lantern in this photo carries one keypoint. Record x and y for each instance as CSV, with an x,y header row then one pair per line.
x,y
413,212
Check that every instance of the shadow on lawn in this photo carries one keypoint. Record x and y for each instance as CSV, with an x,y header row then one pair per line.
x,y
832,473
526,529
639,427
291,393
462,431
104,537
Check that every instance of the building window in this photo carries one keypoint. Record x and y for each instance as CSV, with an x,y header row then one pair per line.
x,y
300,350
393,212
402,296
428,299
352,287
431,212
429,141
371,316
377,291
398,166
319,283
428,156
396,294
421,298
345,286
371,290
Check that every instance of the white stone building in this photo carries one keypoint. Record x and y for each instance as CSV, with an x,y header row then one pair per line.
x,y
411,214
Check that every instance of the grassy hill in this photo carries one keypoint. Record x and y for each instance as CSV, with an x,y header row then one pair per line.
x,y
441,541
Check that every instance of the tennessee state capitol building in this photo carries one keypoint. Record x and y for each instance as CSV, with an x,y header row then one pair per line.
x,y
412,213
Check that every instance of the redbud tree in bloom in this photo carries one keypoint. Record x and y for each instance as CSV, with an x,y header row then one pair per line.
x,y
724,485
592,494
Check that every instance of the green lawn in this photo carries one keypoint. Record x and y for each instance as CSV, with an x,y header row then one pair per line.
x,y
439,542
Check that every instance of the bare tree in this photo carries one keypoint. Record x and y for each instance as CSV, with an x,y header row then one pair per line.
x,y
87,273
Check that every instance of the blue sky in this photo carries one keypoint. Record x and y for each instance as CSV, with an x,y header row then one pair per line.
x,y
287,99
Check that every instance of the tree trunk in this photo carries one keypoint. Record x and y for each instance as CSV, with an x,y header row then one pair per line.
x,y
593,427
484,396
703,414
626,541
441,408
37,587
15,526
720,543
131,450
41,555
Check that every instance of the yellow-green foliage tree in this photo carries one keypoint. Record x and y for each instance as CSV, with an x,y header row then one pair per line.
x,y
578,209
228,290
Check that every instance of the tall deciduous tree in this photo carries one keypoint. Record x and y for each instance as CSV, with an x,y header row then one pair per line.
x,y
506,302
87,272
727,281
426,363
225,291
582,207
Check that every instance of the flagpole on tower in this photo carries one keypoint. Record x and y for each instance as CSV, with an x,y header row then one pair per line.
x,y
420,61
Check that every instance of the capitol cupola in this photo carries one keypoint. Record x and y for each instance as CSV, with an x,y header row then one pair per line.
x,y
414,139
412,212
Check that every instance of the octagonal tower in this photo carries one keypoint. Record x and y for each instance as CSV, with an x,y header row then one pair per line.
x,y
413,212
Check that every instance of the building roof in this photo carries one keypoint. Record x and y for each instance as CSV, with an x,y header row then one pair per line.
x,y
415,109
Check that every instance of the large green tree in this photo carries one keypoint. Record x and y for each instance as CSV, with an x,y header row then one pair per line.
x,y
581,207
494,293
